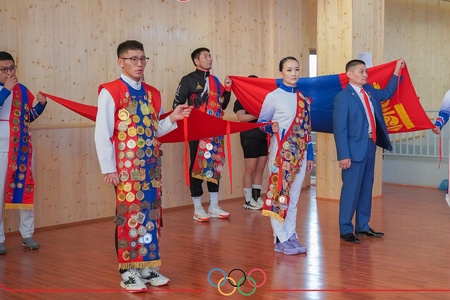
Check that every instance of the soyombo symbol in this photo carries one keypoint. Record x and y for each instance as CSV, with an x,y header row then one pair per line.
x,y
240,282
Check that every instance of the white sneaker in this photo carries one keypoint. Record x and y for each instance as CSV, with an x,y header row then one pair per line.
x,y
252,204
200,215
218,212
153,277
260,201
447,199
132,282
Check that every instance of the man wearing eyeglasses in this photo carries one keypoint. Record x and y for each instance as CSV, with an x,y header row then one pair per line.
x,y
126,137
207,156
16,179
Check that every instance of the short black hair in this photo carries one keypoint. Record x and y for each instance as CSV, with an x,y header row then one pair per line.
x,y
280,67
196,53
129,45
352,63
6,56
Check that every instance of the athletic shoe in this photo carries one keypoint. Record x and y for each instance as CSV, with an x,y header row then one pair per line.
x,y
447,199
153,277
200,215
218,212
260,201
252,204
296,244
286,248
30,243
2,249
132,282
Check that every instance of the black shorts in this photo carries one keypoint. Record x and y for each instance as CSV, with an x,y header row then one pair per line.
x,y
254,147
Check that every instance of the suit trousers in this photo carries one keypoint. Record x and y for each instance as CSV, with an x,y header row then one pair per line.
x,y
356,192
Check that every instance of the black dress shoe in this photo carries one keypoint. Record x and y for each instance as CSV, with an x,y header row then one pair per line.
x,y
371,233
349,238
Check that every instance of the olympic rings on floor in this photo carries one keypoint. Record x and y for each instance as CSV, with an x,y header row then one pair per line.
x,y
243,273
262,272
224,277
240,282
230,280
249,280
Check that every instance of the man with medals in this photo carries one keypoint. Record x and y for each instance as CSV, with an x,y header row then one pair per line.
x,y
207,156
126,137
290,155
16,180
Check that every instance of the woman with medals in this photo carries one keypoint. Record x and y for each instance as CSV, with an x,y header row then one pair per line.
x,y
290,155
126,137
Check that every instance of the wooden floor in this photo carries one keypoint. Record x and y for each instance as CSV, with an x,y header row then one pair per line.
x,y
411,262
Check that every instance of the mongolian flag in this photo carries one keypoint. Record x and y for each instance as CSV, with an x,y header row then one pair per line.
x,y
402,113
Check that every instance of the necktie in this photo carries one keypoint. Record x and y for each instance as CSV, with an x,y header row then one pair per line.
x,y
371,118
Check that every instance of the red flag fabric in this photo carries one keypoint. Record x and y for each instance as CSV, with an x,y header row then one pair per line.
x,y
402,113
199,124
87,111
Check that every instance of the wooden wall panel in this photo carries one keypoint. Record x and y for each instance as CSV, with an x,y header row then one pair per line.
x,y
419,31
68,47
334,49
348,27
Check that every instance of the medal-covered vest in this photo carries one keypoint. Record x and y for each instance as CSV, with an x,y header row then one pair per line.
x,y
138,158
288,161
19,188
210,156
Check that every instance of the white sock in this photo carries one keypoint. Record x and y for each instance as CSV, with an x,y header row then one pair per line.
x,y
197,202
256,186
248,194
213,199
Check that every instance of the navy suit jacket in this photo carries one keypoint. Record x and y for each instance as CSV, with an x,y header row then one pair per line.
x,y
350,125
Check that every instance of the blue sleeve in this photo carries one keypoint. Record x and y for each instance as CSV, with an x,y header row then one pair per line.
x,y
444,111
37,110
4,93
310,154
387,92
442,118
267,129
340,125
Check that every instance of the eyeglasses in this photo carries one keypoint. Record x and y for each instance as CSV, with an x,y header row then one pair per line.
x,y
134,60
7,70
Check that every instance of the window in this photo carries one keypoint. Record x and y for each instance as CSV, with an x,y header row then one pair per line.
x,y
312,63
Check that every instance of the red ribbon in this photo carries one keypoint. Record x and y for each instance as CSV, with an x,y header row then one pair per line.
x,y
186,152
228,145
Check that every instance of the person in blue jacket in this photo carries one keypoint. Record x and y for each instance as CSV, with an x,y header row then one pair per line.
x,y
358,128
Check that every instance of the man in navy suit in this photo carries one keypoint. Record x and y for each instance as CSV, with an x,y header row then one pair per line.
x,y
358,127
